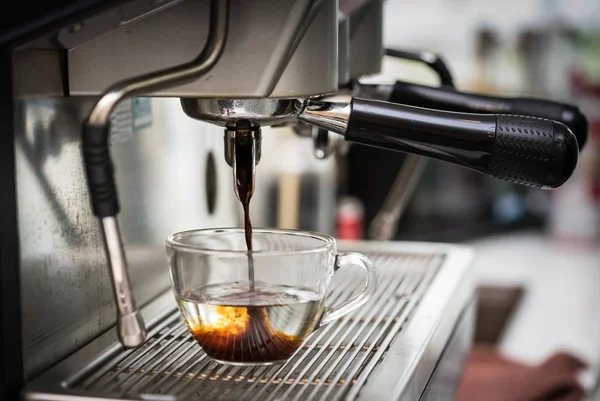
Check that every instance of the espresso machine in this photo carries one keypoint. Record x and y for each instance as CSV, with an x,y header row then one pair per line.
x,y
122,121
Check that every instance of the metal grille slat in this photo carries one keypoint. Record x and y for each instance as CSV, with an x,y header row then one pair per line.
x,y
396,310
89,381
307,367
176,387
151,369
147,352
346,360
176,368
421,287
345,291
381,304
333,364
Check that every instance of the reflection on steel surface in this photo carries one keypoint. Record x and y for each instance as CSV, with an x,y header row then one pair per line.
x,y
67,295
423,290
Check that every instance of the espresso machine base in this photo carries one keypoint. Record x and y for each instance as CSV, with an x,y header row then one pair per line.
x,y
392,349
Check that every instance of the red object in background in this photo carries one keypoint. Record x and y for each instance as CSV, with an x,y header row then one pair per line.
x,y
574,220
588,94
490,376
349,222
594,142
595,188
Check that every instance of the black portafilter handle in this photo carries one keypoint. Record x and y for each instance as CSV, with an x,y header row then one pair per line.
x,y
529,151
449,99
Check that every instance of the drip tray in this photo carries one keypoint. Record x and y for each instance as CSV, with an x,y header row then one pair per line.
x,y
386,350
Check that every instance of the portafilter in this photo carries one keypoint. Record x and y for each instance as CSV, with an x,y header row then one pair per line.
x,y
525,150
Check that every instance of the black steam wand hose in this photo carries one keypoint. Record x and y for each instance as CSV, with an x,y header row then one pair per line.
x,y
99,166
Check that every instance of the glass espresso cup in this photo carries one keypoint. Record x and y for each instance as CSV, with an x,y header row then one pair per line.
x,y
258,316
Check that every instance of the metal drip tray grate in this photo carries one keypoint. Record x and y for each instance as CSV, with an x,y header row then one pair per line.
x,y
334,363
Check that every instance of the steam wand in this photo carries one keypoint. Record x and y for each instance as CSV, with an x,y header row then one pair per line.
x,y
385,222
99,166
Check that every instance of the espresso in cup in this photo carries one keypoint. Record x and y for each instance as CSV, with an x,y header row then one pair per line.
x,y
266,320
235,324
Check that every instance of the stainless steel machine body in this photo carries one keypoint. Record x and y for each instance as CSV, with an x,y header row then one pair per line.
x,y
172,176
387,350
267,44
66,297
264,46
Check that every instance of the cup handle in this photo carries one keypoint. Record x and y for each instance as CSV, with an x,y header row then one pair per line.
x,y
368,290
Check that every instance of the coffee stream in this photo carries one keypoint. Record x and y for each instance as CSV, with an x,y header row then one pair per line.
x,y
244,166
249,325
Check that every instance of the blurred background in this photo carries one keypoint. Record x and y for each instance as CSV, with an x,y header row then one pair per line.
x,y
538,252
546,48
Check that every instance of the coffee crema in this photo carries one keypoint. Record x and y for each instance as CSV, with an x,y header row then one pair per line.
x,y
265,325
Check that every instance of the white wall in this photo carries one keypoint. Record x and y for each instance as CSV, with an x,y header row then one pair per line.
x,y
448,26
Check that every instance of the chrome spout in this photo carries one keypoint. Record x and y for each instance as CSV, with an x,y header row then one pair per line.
x,y
99,166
